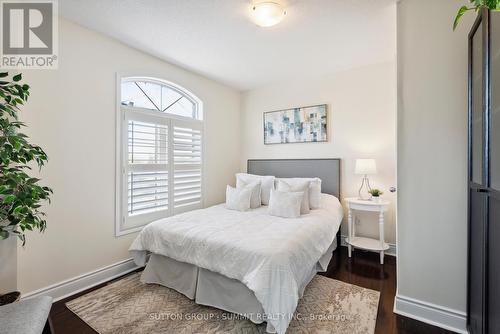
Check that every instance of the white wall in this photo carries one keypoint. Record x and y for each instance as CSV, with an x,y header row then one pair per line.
x,y
362,124
432,148
71,114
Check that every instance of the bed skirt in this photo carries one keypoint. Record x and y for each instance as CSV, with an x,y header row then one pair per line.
x,y
206,287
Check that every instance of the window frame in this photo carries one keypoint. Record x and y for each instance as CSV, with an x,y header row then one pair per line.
x,y
121,149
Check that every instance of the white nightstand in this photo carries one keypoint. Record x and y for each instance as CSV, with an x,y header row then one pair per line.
x,y
370,244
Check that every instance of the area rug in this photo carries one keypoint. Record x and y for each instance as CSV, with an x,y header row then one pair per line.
x,y
129,306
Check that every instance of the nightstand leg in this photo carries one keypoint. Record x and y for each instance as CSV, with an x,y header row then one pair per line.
x,y
381,232
349,230
353,224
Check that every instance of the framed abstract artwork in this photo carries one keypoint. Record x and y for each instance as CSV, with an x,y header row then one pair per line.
x,y
296,125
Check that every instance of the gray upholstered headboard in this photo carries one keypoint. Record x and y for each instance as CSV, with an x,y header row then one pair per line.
x,y
328,170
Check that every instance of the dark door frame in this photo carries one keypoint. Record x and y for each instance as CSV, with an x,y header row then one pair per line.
x,y
484,19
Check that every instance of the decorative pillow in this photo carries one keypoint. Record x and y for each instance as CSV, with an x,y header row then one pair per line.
x,y
255,199
238,198
297,186
314,189
285,204
267,183
315,193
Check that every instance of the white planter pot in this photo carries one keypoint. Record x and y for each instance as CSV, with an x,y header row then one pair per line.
x,y
8,265
376,199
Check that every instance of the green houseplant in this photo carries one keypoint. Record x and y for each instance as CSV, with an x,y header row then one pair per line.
x,y
475,5
21,195
376,193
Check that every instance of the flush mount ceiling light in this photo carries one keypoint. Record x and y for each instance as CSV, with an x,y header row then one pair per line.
x,y
268,13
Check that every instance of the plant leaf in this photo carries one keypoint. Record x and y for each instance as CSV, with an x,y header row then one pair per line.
x,y
17,77
460,13
4,234
9,199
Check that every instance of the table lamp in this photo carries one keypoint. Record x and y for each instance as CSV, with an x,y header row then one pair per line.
x,y
365,167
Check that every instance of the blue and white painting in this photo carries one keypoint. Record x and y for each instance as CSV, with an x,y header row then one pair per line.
x,y
296,125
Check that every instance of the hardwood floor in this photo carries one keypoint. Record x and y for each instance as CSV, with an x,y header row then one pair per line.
x,y
362,269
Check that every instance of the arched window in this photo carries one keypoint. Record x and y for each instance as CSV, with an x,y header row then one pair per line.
x,y
161,151
160,96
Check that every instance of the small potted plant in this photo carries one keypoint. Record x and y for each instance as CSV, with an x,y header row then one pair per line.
x,y
375,194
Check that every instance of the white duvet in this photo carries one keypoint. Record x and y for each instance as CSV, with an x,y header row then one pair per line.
x,y
272,256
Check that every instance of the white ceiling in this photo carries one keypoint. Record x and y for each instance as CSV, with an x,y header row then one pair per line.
x,y
217,39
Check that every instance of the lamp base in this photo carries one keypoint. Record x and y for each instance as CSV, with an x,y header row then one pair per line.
x,y
363,191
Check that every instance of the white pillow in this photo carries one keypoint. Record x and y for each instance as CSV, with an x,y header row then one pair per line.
x,y
255,199
314,189
285,204
238,198
315,193
267,183
297,186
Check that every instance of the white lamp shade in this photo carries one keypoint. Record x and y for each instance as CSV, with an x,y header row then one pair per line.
x,y
365,166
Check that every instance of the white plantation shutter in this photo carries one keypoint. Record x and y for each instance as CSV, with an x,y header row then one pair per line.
x,y
187,165
162,167
146,168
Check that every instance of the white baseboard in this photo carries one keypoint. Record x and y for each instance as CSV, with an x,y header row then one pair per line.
x,y
391,251
433,314
80,283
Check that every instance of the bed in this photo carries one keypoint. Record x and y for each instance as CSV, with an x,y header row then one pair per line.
x,y
248,263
